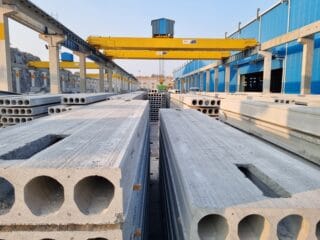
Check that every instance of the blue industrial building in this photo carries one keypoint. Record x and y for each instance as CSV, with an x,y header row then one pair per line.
x,y
246,69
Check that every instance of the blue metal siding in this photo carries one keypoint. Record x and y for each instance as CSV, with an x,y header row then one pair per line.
x,y
274,23
251,30
315,83
221,83
293,68
211,85
233,78
303,12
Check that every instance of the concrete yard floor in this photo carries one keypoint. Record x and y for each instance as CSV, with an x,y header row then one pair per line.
x,y
155,217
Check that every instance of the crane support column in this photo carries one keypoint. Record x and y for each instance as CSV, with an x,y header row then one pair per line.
x,y
216,79
238,81
17,75
5,56
267,66
307,64
109,80
208,81
45,79
54,68
83,70
227,78
101,78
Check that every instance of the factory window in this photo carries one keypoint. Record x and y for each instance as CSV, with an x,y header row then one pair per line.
x,y
253,82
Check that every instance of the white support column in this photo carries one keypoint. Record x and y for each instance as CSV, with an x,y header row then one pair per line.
x,y
208,81
200,77
63,84
5,55
54,67
227,78
267,67
17,74
33,78
216,79
101,78
307,64
45,79
109,79
239,81
83,70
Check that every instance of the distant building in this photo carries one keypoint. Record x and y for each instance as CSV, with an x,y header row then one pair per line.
x,y
151,82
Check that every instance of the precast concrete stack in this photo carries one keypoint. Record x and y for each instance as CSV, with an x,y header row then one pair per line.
x,y
78,175
293,127
75,100
221,183
208,105
138,95
84,98
21,109
157,100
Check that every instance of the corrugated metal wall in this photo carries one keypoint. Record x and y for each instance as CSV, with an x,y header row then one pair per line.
x,y
272,24
221,83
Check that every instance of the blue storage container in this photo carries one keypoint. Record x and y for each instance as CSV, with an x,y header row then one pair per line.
x,y
162,27
66,57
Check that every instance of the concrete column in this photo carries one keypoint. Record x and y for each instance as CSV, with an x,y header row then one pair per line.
x,y
216,79
83,70
109,79
200,77
238,81
227,78
54,68
101,78
17,74
307,64
267,67
63,84
208,81
45,79
33,78
5,56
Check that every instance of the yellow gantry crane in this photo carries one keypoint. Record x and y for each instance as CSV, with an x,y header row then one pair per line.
x,y
169,48
163,45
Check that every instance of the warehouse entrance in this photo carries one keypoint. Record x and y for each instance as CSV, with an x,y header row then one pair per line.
x,y
253,82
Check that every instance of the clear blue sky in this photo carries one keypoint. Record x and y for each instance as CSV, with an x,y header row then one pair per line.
x,y
194,18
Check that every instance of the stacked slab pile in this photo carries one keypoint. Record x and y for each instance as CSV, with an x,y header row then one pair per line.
x,y
78,175
295,128
139,95
157,101
221,183
74,101
208,105
21,109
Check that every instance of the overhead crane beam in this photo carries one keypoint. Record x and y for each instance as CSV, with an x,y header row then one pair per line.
x,y
166,55
63,65
175,44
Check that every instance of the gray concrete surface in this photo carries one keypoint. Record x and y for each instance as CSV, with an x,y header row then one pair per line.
x,y
221,183
87,167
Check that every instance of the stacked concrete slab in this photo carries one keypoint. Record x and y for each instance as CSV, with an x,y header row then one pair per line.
x,y
84,98
138,95
81,175
77,97
221,183
21,109
293,127
157,101
208,105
